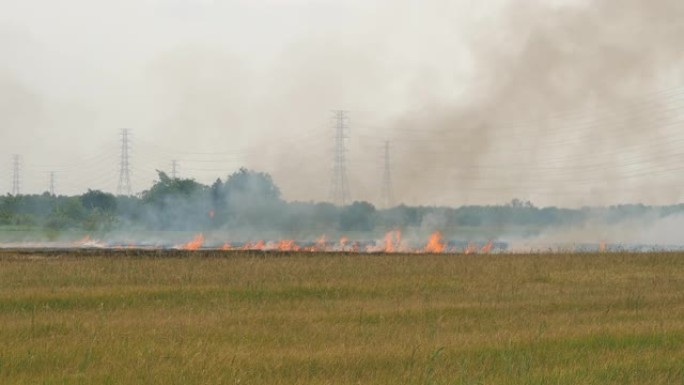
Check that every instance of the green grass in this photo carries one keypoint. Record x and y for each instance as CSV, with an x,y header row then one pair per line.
x,y
231,318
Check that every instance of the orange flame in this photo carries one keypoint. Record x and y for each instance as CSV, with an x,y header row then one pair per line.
x,y
487,248
389,242
226,246
85,239
470,249
321,243
343,243
287,245
195,244
392,241
602,247
435,244
258,245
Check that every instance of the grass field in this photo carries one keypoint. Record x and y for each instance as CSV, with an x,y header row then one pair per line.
x,y
213,318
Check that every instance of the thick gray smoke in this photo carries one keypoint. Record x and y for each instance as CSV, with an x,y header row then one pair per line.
x,y
641,233
566,105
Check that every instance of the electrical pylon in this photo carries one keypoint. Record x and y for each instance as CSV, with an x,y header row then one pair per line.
x,y
124,185
16,176
387,193
52,183
339,183
174,169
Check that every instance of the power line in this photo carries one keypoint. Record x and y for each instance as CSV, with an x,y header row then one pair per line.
x,y
661,102
124,165
339,184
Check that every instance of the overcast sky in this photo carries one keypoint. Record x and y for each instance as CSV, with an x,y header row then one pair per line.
x,y
560,102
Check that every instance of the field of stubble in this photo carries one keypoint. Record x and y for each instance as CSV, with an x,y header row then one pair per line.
x,y
229,318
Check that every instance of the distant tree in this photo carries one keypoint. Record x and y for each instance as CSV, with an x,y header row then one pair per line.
x,y
400,216
470,215
167,188
246,186
518,203
98,200
174,203
359,216
218,203
252,199
67,213
326,215
130,209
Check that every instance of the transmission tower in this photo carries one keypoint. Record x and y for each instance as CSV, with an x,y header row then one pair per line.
x,y
174,169
52,183
16,177
124,165
386,191
339,185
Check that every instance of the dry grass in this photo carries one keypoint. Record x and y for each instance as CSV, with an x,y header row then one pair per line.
x,y
342,319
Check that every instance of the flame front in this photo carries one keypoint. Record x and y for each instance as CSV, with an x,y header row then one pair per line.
x,y
287,245
321,242
83,241
195,244
487,248
470,249
343,243
390,243
602,247
435,244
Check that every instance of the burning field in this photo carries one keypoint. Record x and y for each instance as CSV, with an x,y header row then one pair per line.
x,y
203,317
392,242
237,304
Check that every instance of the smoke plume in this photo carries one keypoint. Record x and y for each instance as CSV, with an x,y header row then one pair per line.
x,y
576,88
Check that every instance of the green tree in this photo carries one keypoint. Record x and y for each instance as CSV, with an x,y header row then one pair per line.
x,y
67,213
246,186
252,199
167,190
174,203
359,216
96,199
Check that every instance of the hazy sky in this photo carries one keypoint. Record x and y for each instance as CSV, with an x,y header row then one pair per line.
x,y
559,102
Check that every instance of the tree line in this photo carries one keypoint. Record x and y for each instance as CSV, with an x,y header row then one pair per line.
x,y
251,200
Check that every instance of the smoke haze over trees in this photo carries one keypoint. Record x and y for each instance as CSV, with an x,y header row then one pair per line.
x,y
248,205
